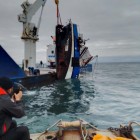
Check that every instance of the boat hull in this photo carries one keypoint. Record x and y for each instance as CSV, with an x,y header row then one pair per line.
x,y
8,67
75,59
67,51
64,44
31,82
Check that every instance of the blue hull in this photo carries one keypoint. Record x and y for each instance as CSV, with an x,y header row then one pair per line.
x,y
32,82
76,67
8,66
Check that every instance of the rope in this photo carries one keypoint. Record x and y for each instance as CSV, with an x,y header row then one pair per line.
x,y
84,135
48,129
60,17
96,62
27,33
86,123
39,21
130,124
65,124
56,2
85,78
58,13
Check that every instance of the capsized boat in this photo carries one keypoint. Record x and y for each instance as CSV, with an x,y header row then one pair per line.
x,y
82,130
64,50
67,51
70,51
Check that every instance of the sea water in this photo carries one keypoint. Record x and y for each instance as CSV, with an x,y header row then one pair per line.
x,y
106,98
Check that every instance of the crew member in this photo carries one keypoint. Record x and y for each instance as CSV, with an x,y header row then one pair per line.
x,y
11,106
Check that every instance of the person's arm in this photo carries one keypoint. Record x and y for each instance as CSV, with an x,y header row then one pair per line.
x,y
15,108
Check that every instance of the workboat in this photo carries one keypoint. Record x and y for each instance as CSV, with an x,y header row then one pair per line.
x,y
82,130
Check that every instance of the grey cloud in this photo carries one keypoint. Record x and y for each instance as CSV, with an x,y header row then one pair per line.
x,y
103,21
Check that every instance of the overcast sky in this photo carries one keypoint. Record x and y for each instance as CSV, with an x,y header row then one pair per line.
x,y
113,26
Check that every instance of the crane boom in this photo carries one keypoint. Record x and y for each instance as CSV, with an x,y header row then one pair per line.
x,y
33,8
30,31
29,10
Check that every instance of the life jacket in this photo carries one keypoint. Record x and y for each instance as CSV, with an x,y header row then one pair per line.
x,y
4,128
2,91
103,137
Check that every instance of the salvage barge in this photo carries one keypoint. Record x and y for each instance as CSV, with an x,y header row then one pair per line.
x,y
9,68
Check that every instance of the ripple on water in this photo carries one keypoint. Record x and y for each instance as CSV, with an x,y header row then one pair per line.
x,y
109,98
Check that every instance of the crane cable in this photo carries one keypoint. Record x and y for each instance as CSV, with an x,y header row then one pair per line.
x,y
95,64
39,21
38,25
58,13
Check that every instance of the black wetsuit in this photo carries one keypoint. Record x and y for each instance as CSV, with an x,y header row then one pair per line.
x,y
8,127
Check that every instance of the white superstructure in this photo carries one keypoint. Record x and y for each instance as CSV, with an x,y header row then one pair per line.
x,y
51,56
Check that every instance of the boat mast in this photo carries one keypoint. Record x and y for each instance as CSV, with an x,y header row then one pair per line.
x,y
30,31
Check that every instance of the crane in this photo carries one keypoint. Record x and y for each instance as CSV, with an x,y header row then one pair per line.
x,y
30,31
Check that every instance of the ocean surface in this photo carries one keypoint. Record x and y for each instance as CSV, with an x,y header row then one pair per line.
x,y
107,97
